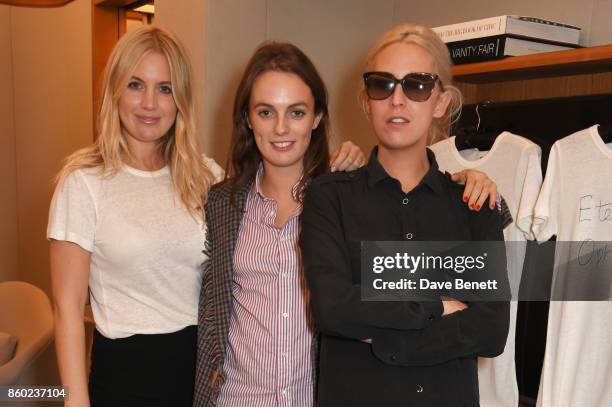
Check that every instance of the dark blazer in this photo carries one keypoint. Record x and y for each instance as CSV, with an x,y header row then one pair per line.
x,y
223,218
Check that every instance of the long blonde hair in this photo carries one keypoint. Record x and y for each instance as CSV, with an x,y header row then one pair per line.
x,y
180,147
428,40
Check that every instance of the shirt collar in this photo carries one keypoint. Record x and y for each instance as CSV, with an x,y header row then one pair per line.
x,y
258,180
258,186
377,173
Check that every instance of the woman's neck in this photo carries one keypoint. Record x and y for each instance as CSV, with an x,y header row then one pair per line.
x,y
408,166
278,182
148,159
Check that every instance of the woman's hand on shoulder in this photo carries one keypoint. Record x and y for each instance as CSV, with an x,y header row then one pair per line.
x,y
478,187
347,157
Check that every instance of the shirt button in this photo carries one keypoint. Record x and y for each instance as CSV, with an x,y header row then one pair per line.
x,y
419,388
285,315
409,236
392,358
284,392
284,275
405,201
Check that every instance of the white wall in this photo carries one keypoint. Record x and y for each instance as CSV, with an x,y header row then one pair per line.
x,y
186,19
46,57
601,23
336,35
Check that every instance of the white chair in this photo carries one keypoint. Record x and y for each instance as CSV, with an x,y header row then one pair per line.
x,y
25,312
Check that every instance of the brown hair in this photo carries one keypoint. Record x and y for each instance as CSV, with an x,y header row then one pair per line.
x,y
431,42
245,157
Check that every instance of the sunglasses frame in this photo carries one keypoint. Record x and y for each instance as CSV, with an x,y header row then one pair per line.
x,y
434,78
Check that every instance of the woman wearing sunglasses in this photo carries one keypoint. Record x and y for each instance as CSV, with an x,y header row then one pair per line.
x,y
397,353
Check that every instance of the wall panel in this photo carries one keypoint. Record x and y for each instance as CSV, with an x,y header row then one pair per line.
x,y
8,187
53,109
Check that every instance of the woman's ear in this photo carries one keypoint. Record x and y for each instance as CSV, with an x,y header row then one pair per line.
x,y
317,120
365,106
442,104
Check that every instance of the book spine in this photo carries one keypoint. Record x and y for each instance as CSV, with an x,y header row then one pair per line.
x,y
527,26
477,50
472,29
546,22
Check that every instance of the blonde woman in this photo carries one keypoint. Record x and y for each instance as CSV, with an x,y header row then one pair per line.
x,y
409,353
126,221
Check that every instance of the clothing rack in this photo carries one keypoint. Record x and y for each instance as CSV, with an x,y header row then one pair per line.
x,y
542,121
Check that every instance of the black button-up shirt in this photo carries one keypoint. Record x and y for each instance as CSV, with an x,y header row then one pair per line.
x,y
417,357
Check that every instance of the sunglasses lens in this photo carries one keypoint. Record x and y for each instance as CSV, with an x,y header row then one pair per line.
x,y
418,86
379,87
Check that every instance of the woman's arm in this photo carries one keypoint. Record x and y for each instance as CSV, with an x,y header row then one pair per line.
x,y
480,329
69,280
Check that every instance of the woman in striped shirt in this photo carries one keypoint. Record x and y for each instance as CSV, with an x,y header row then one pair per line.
x,y
256,339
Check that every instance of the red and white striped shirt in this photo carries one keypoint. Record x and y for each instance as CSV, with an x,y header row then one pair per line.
x,y
268,360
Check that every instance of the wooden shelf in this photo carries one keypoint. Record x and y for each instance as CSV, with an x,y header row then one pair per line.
x,y
550,64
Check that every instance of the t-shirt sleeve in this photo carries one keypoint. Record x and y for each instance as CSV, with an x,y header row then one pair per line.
x,y
532,184
546,213
215,168
72,215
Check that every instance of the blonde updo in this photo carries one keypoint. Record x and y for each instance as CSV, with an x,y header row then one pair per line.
x,y
431,42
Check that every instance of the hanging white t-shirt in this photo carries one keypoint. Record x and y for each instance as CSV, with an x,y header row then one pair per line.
x,y
576,204
146,248
514,163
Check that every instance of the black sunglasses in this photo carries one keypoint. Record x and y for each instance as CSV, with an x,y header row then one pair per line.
x,y
417,86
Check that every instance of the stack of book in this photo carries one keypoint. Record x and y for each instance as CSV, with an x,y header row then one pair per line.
x,y
498,37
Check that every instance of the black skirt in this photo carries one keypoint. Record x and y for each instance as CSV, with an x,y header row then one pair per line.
x,y
143,370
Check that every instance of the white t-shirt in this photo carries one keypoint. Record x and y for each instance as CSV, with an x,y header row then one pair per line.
x,y
514,163
576,204
146,249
